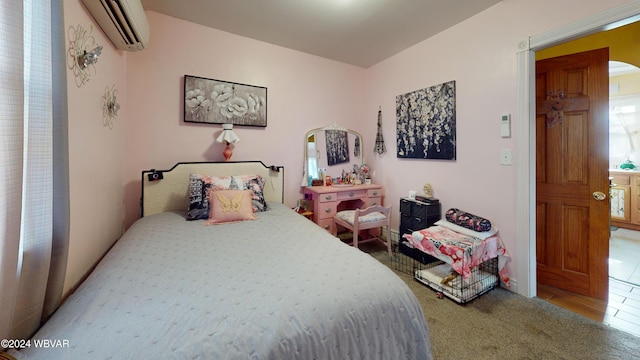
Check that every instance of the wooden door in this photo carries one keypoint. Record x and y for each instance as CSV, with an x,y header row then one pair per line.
x,y
572,149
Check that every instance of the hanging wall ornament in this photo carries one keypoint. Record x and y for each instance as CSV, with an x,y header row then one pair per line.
x,y
380,148
356,147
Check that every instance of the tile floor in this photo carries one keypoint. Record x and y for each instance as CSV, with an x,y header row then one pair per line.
x,y
624,255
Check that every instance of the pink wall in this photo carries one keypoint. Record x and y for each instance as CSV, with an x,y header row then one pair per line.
x,y
480,55
95,154
304,92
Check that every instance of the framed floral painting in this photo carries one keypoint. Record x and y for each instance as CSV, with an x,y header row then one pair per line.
x,y
426,123
213,101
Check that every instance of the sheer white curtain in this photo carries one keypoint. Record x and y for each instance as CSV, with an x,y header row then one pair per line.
x,y
32,99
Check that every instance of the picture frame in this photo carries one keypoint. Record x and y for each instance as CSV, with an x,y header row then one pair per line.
x,y
211,101
337,147
426,123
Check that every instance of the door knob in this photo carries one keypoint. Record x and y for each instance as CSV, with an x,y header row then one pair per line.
x,y
599,195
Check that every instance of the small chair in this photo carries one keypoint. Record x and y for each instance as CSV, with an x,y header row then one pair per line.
x,y
375,216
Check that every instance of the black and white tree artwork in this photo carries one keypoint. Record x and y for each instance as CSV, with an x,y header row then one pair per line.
x,y
426,123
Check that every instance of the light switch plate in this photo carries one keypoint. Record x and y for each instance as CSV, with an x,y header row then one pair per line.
x,y
506,157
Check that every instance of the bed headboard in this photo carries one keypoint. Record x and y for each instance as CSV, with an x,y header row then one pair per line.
x,y
168,190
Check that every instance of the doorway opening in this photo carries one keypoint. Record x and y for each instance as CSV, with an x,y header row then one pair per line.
x,y
624,157
610,19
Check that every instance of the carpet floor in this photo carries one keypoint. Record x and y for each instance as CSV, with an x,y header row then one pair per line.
x,y
504,325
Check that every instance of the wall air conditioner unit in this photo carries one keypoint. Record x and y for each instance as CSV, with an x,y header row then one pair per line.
x,y
123,21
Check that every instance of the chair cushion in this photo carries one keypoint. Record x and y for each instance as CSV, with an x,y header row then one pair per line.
x,y
348,216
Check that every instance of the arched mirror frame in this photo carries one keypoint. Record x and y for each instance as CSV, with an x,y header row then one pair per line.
x,y
334,126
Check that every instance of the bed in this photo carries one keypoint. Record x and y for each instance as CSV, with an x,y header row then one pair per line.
x,y
274,287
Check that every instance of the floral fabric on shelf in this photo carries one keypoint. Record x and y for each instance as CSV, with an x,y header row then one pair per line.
x,y
461,251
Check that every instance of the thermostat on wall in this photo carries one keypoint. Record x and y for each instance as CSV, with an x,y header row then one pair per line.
x,y
505,126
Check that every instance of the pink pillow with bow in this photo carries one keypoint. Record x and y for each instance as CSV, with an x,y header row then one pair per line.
x,y
229,206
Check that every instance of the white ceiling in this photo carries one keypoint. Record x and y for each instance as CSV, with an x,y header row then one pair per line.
x,y
617,68
357,32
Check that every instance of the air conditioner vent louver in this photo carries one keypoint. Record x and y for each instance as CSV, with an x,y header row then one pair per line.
x,y
123,21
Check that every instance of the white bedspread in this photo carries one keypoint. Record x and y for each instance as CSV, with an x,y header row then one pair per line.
x,y
274,288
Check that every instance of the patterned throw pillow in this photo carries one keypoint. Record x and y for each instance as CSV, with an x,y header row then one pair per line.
x,y
230,206
467,220
199,185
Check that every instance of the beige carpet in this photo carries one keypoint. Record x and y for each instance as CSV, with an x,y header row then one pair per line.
x,y
505,325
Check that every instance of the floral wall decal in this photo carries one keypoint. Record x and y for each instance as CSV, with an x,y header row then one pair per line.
x,y
220,102
110,106
426,123
83,53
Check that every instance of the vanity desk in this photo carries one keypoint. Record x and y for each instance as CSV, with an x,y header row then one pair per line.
x,y
328,200
327,149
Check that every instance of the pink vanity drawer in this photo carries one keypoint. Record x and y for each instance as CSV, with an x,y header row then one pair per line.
x,y
327,224
374,193
351,194
327,210
327,197
373,201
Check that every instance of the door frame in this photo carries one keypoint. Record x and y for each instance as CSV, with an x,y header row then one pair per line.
x,y
526,138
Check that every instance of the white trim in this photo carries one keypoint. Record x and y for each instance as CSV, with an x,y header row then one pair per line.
x,y
525,175
525,146
606,20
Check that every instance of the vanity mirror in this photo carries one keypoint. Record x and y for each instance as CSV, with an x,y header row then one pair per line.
x,y
332,148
